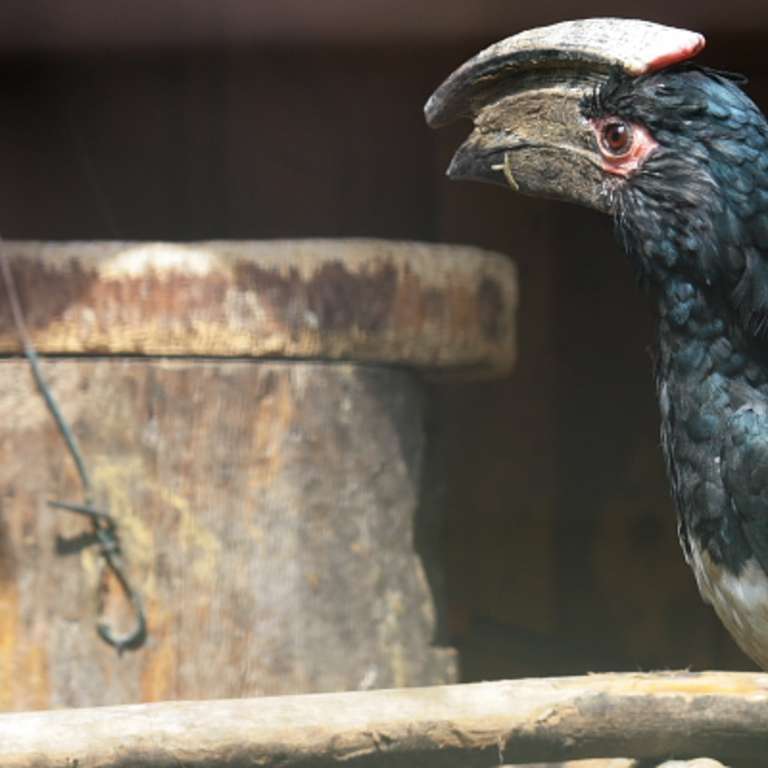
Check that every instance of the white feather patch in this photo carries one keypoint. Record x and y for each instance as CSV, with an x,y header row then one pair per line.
x,y
740,601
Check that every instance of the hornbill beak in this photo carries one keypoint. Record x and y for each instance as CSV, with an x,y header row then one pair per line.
x,y
525,94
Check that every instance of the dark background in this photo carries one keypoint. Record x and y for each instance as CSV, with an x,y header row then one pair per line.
x,y
196,120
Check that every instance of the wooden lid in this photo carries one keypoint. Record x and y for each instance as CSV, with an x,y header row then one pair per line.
x,y
412,304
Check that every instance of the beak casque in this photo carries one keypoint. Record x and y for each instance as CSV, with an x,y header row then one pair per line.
x,y
524,95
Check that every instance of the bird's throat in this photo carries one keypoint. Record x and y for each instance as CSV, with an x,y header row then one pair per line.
x,y
700,338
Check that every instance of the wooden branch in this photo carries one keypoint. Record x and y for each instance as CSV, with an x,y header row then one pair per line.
x,y
622,762
685,715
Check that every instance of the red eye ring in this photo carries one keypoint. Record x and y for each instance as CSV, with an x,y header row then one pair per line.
x,y
624,147
616,137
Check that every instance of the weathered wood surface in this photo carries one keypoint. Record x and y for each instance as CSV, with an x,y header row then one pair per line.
x,y
267,514
413,304
647,716
622,762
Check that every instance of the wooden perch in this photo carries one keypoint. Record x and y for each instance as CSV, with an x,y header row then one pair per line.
x,y
683,715
622,762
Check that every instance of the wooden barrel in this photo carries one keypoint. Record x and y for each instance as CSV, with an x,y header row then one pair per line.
x,y
252,418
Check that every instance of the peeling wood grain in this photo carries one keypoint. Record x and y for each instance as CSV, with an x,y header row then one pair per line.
x,y
413,304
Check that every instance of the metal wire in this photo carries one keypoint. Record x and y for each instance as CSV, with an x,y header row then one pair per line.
x,y
105,532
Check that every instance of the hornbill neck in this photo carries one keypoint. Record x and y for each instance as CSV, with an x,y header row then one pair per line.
x,y
700,338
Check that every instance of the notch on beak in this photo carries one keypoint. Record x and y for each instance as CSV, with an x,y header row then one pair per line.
x,y
525,93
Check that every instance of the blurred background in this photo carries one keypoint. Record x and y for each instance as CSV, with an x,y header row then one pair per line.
x,y
554,548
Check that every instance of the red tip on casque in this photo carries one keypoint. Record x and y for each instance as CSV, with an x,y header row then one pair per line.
x,y
690,45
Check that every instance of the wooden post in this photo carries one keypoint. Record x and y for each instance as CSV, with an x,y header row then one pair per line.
x,y
264,477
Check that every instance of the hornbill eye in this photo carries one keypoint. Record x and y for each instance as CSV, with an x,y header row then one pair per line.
x,y
616,137
624,146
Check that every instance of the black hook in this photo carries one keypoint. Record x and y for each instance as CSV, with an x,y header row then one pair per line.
x,y
105,535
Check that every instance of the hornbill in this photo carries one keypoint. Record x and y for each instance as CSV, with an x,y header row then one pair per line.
x,y
614,115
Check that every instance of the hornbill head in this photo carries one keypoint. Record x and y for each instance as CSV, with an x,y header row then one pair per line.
x,y
609,113
542,126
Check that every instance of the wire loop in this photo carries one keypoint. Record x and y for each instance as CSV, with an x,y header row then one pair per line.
x,y
104,527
